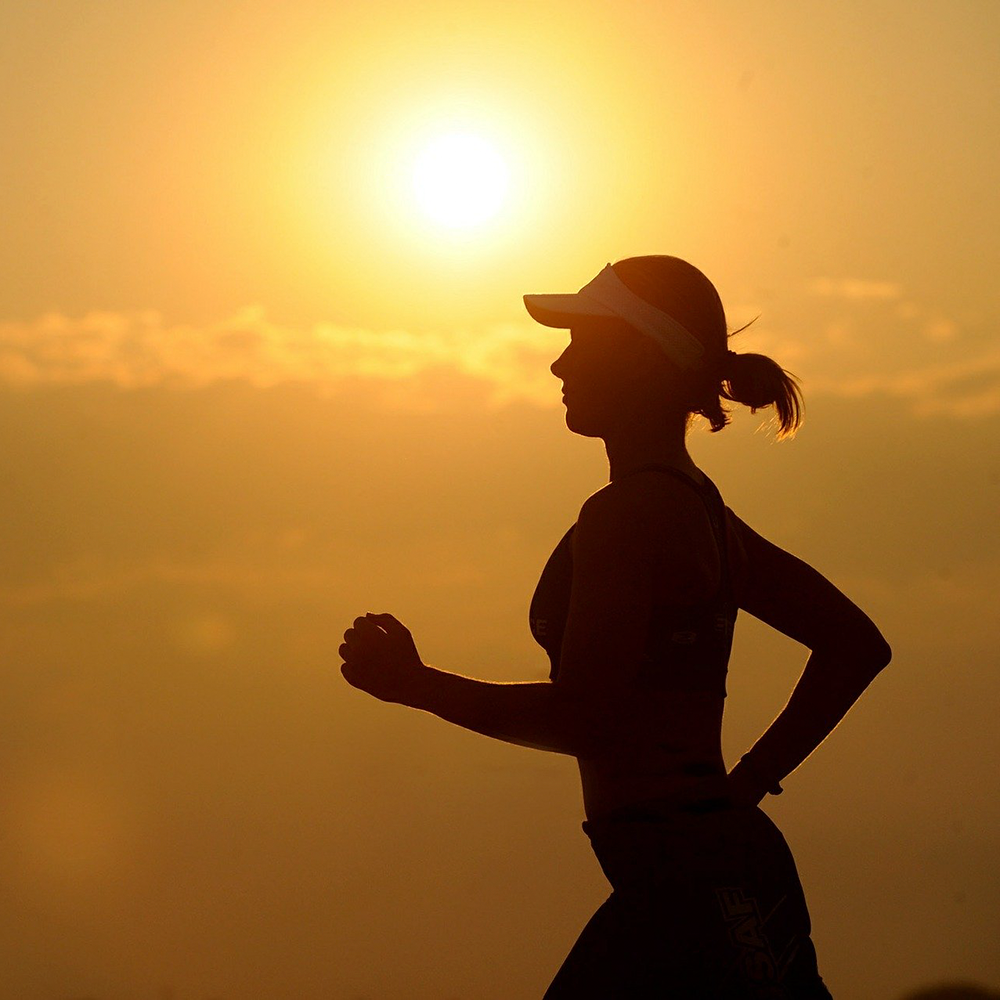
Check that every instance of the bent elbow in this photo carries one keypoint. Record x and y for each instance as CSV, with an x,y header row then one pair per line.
x,y
865,647
876,653
884,653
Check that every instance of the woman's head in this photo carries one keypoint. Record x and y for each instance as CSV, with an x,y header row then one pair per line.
x,y
611,371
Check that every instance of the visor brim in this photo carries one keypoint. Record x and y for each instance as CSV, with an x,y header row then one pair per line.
x,y
563,310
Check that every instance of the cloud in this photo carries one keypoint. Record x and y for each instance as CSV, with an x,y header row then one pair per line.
x,y
966,388
878,343
940,330
96,580
137,349
256,577
957,596
409,371
854,288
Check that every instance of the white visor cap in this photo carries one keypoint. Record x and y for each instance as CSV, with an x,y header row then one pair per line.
x,y
608,296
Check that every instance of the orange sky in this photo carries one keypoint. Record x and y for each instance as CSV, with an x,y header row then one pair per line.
x,y
249,392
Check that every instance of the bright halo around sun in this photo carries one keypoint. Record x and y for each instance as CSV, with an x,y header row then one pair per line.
x,y
460,180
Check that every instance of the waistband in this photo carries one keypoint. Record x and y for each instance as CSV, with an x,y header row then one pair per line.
x,y
654,810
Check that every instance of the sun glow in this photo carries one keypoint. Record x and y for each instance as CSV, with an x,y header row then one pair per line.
x,y
460,180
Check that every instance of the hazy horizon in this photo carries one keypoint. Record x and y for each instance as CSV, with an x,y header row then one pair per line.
x,y
249,391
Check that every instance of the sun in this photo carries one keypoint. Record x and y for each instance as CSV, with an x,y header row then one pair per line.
x,y
460,180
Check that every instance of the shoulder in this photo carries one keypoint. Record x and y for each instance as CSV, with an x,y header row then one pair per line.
x,y
641,490
645,521
621,506
648,502
612,554
612,527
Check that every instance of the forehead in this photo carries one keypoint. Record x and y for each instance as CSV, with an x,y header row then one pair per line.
x,y
599,332
600,327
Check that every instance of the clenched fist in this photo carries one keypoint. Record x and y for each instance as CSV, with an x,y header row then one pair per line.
x,y
380,658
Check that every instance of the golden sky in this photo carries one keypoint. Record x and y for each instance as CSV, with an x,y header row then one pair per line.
x,y
249,390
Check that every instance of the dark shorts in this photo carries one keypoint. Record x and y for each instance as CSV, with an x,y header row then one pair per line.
x,y
705,904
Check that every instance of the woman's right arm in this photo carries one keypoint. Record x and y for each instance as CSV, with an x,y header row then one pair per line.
x,y
847,651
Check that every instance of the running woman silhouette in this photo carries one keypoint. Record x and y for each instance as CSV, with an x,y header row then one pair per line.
x,y
635,609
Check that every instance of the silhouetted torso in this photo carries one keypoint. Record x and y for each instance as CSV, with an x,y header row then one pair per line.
x,y
676,719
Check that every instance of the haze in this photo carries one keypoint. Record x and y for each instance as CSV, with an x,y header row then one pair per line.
x,y
248,391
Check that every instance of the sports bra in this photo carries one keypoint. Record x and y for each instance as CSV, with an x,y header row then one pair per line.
x,y
688,647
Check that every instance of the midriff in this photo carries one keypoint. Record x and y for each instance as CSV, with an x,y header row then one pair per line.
x,y
674,754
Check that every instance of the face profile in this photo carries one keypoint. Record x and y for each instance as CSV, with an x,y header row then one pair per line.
x,y
612,376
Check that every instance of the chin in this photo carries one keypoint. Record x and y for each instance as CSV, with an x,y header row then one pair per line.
x,y
579,425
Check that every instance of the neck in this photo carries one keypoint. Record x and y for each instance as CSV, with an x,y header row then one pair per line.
x,y
630,447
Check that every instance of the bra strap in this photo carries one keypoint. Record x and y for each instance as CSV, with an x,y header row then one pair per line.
x,y
716,509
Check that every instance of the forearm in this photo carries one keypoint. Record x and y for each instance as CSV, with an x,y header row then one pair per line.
x,y
831,683
526,713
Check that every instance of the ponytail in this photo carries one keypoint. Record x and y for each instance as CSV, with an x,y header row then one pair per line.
x,y
756,381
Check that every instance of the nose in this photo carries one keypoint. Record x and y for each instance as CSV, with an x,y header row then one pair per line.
x,y
556,366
